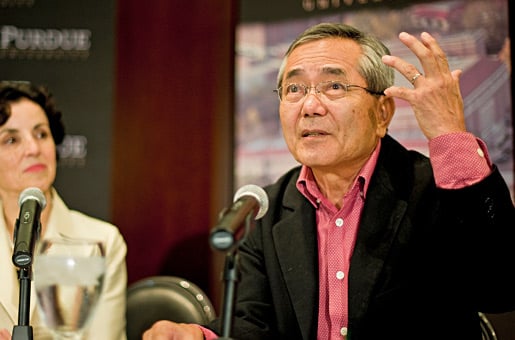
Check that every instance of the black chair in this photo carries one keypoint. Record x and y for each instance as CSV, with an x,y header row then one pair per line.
x,y
165,298
487,330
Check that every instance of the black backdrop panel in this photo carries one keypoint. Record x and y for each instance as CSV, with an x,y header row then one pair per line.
x,y
68,45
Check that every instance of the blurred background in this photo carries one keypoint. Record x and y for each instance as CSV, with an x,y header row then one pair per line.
x,y
169,106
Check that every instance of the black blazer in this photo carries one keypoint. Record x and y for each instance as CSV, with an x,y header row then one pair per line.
x,y
426,260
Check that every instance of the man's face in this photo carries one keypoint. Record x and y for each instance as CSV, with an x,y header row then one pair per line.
x,y
326,133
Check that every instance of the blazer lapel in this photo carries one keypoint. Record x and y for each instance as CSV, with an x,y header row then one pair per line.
x,y
10,284
381,217
295,240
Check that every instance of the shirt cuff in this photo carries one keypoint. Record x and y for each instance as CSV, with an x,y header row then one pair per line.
x,y
208,334
459,160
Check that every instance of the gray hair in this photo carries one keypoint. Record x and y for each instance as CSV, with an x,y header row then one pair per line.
x,y
377,75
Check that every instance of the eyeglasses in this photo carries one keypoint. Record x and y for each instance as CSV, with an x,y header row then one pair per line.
x,y
332,90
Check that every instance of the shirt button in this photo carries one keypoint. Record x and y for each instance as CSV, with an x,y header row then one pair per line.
x,y
480,152
340,275
339,222
343,331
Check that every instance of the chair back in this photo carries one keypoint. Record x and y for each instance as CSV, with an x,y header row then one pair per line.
x,y
487,330
165,298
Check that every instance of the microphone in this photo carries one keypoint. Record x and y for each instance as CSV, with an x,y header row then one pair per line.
x,y
250,201
28,226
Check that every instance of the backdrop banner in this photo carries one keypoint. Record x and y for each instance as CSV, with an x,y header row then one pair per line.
x,y
474,34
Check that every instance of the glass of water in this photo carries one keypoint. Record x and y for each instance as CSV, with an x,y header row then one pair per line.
x,y
68,277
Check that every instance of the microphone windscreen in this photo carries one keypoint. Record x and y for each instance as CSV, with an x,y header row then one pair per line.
x,y
258,193
33,193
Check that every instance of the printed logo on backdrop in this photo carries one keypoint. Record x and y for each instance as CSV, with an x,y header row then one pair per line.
x,y
73,151
44,43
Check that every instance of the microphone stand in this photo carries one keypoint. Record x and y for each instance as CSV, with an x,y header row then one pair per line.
x,y
231,278
23,331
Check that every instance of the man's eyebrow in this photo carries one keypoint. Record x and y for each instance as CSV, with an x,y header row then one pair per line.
x,y
293,73
334,71
325,70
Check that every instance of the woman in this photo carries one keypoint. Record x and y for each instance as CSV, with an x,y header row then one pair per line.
x,y
30,129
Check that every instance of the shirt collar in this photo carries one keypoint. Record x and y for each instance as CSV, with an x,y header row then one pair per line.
x,y
308,187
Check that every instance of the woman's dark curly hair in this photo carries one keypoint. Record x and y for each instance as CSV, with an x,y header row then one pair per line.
x,y
12,91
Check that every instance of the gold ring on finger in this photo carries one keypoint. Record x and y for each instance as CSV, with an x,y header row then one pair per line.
x,y
415,77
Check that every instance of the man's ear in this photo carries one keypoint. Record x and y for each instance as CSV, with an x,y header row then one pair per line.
x,y
385,114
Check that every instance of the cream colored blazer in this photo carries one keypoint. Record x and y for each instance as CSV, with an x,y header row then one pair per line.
x,y
109,319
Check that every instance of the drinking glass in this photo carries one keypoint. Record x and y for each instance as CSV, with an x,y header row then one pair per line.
x,y
68,278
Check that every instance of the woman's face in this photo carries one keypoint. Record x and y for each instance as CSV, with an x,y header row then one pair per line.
x,y
27,150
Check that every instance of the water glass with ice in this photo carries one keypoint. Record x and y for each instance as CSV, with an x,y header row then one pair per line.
x,y
68,278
